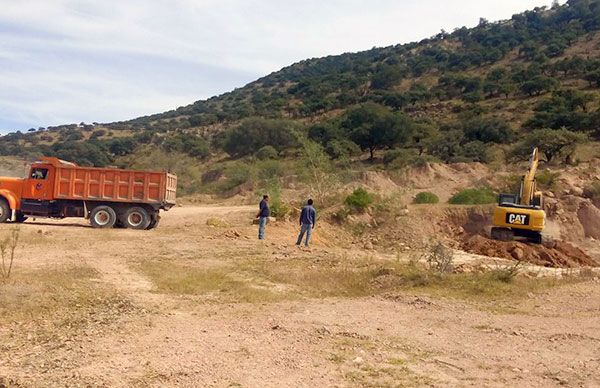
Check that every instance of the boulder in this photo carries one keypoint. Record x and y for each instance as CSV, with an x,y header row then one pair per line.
x,y
403,212
589,217
576,191
517,253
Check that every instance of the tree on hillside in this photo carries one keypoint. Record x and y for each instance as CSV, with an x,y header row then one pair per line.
x,y
418,93
566,108
488,130
539,85
446,145
576,99
551,143
574,65
373,126
498,82
190,144
255,133
387,76
460,85
318,171
121,146
593,77
87,153
325,132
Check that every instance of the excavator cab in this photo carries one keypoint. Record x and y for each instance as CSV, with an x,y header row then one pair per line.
x,y
507,199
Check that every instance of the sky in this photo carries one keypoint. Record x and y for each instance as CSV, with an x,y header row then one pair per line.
x,y
67,61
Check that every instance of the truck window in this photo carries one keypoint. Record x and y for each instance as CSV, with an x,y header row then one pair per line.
x,y
39,173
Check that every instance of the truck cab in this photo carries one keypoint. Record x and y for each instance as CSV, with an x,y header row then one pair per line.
x,y
17,195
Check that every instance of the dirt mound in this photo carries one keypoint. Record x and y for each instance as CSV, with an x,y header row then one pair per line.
x,y
554,254
470,220
378,182
445,179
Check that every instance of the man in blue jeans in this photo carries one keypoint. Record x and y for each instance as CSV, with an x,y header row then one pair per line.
x,y
308,218
263,215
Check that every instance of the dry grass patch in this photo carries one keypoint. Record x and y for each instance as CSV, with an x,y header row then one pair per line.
x,y
45,317
260,280
59,297
370,362
218,284
375,375
347,277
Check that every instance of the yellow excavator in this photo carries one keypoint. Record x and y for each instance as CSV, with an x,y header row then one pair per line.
x,y
521,215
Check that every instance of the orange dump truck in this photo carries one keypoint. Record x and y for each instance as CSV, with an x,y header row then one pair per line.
x,y
108,197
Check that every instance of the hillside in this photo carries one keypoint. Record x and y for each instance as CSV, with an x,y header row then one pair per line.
x,y
484,94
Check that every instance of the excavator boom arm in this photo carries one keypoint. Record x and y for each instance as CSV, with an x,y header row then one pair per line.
x,y
528,183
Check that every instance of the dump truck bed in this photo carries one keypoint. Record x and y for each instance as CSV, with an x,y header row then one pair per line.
x,y
114,185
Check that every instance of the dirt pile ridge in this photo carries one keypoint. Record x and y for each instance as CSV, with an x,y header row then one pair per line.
x,y
551,254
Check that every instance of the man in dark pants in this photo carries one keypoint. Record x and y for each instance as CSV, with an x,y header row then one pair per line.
x,y
263,215
308,218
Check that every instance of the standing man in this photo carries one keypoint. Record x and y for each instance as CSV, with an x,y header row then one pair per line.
x,y
308,218
263,215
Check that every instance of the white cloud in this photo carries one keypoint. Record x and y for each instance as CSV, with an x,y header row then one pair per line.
x,y
70,61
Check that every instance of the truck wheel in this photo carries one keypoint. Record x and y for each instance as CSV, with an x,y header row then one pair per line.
x,y
154,222
4,211
21,218
136,218
103,217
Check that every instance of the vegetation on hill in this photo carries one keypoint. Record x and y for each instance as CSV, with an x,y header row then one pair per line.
x,y
479,94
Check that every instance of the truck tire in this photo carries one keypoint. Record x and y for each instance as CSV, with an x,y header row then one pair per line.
x,y
4,211
103,217
154,222
136,218
21,218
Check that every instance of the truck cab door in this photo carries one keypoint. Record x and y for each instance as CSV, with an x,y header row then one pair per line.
x,y
40,183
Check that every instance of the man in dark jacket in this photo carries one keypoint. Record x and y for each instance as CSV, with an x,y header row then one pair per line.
x,y
308,219
263,215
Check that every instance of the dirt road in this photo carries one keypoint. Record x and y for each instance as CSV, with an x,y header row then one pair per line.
x,y
125,322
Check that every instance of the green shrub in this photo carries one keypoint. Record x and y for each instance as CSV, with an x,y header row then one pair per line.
x,y
278,207
506,274
475,196
399,159
547,179
423,160
359,200
426,197
440,258
212,175
269,169
267,152
510,183
342,149
340,215
97,134
236,174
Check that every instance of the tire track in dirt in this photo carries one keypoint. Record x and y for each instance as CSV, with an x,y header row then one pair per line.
x,y
114,266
